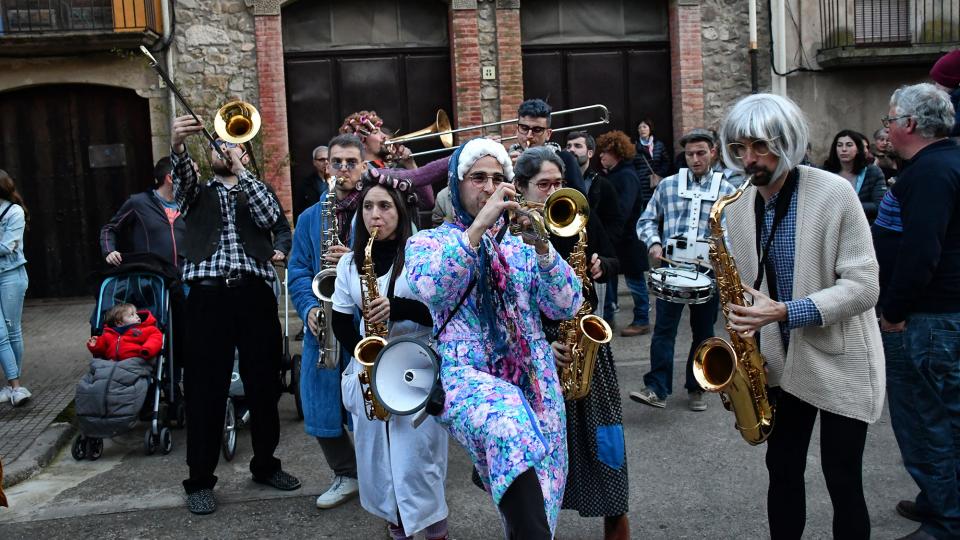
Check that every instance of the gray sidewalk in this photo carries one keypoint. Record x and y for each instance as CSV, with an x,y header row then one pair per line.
x,y
54,359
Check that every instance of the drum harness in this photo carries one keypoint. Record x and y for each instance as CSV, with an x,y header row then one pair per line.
x,y
695,249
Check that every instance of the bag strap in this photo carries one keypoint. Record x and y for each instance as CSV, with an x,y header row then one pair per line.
x,y
5,210
455,309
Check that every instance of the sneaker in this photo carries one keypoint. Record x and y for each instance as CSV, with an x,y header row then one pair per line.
x,y
616,307
5,394
648,397
281,480
202,502
341,490
18,395
635,330
697,403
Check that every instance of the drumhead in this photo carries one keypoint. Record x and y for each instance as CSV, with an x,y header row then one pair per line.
x,y
680,278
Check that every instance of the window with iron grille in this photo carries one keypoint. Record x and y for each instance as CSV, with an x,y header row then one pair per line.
x,y
881,21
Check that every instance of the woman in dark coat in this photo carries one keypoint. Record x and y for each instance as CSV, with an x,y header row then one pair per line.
x,y
849,160
651,159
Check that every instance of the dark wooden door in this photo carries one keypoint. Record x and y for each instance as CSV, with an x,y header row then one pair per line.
x,y
632,82
405,88
76,152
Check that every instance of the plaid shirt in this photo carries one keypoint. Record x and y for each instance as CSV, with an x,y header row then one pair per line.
x,y
667,203
229,260
801,312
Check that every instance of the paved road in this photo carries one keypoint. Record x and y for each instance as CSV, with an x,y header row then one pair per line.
x,y
691,476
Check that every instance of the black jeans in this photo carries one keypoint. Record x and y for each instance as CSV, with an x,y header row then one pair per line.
x,y
522,508
219,321
841,453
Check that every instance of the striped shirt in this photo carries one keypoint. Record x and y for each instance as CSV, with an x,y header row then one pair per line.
x,y
888,214
229,260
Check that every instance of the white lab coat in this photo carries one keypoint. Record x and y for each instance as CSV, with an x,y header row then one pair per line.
x,y
399,467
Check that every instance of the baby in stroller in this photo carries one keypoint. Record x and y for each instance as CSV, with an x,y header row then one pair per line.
x,y
128,334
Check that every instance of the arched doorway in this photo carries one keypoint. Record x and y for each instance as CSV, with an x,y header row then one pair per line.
x,y
77,152
391,56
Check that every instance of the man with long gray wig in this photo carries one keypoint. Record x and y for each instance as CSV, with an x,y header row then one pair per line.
x,y
920,304
800,235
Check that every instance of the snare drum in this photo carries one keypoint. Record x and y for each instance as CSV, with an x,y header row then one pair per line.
x,y
679,285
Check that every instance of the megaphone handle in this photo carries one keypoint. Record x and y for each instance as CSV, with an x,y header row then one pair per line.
x,y
419,417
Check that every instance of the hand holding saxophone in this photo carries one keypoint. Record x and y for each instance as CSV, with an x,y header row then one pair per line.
x,y
748,319
313,321
333,254
562,354
378,310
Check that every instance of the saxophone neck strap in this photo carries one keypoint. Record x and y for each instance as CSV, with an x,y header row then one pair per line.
x,y
780,212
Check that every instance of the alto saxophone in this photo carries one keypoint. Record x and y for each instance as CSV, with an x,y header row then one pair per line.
x,y
324,283
583,334
734,369
370,346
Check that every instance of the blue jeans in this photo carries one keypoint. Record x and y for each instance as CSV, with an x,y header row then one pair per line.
x,y
13,287
923,390
611,298
702,318
641,300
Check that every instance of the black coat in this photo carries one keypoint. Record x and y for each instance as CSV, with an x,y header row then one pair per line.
x,y
630,250
306,194
604,206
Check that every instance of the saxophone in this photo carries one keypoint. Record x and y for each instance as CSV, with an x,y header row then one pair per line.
x,y
370,346
583,334
734,368
324,283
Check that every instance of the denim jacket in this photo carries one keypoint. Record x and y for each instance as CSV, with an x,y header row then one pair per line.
x,y
11,237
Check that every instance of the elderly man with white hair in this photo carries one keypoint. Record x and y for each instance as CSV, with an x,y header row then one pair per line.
x,y
485,290
917,235
799,235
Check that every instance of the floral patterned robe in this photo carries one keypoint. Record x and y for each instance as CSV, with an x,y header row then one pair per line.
x,y
490,416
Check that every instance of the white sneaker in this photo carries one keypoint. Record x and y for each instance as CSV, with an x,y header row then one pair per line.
x,y
5,394
19,395
341,490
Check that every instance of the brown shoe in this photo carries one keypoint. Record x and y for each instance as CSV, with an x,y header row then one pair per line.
x,y
635,330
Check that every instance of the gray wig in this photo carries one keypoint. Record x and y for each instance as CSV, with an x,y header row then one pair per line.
x,y
531,161
317,149
929,107
767,116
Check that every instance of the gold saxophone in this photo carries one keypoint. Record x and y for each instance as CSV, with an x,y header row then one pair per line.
x,y
370,346
734,369
583,334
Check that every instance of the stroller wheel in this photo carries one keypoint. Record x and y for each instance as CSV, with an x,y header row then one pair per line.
x,y
94,448
150,442
166,441
229,438
181,414
295,383
79,448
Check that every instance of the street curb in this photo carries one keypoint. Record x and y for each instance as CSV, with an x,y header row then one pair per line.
x,y
39,455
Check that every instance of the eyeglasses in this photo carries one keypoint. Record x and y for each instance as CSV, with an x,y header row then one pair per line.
x,y
546,186
524,128
340,165
759,147
887,120
480,179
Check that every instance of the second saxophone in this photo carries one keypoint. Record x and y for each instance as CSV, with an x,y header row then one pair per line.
x,y
374,333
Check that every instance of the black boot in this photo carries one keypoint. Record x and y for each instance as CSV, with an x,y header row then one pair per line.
x,y
522,509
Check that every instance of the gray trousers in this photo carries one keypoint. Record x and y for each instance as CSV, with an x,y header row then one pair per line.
x,y
340,454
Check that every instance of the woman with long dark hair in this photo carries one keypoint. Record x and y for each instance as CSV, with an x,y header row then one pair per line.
x,y
849,160
401,469
13,287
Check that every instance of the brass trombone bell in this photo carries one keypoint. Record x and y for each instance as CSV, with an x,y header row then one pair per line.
x,y
440,128
565,212
237,122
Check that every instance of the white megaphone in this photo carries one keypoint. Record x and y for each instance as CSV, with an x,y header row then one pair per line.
x,y
404,373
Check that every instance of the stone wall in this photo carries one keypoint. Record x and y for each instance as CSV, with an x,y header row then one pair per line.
x,y
725,39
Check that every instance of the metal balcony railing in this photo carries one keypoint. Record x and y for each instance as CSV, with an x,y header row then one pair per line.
x,y
889,23
42,17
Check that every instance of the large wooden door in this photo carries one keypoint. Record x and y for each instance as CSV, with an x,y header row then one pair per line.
x,y
76,152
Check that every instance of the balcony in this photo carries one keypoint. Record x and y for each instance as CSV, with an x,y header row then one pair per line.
x,y
886,32
55,27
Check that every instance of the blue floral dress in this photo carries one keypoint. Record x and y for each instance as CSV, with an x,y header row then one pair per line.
x,y
491,417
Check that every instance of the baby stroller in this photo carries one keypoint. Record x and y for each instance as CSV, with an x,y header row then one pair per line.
x,y
144,282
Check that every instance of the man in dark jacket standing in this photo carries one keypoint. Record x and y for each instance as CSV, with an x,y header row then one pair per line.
x,y
920,306
313,188
231,307
148,222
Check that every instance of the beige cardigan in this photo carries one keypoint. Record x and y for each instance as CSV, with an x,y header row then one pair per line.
x,y
837,367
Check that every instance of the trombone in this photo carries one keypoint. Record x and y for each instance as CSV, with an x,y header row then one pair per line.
x,y
441,128
236,122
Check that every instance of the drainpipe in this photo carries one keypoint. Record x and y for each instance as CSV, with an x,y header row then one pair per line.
x,y
779,34
754,68
168,59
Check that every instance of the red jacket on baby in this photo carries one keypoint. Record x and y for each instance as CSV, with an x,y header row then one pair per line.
x,y
143,340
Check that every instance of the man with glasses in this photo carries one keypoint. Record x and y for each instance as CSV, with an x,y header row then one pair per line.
x,y
683,201
313,188
231,307
798,234
533,129
323,412
917,235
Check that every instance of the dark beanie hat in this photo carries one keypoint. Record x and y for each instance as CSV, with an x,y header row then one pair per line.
x,y
947,70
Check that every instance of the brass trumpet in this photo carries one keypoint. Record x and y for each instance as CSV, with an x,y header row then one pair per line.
x,y
564,213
